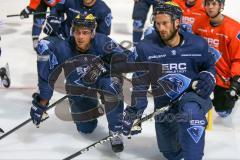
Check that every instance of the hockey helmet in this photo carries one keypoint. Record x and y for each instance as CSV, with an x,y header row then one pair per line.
x,y
170,8
87,21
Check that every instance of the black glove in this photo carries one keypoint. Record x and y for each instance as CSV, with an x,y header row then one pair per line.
x,y
38,111
25,12
1,130
53,25
205,84
234,90
131,116
94,70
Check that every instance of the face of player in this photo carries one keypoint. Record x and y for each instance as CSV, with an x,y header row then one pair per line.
x,y
89,3
83,38
213,8
167,29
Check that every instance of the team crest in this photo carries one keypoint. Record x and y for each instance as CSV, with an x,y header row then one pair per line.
x,y
196,132
174,84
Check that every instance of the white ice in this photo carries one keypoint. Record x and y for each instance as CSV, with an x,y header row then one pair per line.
x,y
56,139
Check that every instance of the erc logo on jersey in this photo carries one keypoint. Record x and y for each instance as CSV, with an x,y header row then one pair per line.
x,y
174,68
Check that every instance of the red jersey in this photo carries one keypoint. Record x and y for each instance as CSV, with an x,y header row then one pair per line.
x,y
35,3
191,13
225,38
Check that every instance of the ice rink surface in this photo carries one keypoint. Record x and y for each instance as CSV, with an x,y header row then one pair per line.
x,y
56,139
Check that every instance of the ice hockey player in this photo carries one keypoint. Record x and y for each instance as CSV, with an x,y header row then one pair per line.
x,y
192,9
54,52
37,6
96,7
4,74
223,35
139,16
184,58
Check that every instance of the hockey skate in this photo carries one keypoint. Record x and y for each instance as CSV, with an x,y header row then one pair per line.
x,y
5,76
116,142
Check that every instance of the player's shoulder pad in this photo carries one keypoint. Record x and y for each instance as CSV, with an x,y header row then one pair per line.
x,y
106,45
46,44
198,41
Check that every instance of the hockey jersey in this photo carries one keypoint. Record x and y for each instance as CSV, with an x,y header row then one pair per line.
x,y
74,7
180,65
190,14
225,40
35,3
55,54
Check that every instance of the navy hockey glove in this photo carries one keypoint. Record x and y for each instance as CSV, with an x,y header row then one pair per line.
x,y
38,111
131,116
94,70
234,90
25,12
53,25
205,84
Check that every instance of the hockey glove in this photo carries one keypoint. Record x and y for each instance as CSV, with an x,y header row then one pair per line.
x,y
38,111
1,130
25,12
234,90
94,70
205,84
53,25
131,116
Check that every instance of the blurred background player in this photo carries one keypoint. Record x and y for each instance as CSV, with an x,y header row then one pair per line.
x,y
185,58
139,16
74,7
55,54
223,35
39,7
192,9
4,74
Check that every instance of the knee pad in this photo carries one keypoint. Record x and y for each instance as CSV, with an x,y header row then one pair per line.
x,y
86,127
195,115
138,25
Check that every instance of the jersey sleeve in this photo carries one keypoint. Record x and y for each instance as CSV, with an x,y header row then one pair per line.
x,y
47,64
59,9
34,4
208,63
105,22
234,51
141,83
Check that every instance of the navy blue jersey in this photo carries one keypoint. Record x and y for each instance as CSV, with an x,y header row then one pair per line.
x,y
55,53
73,7
180,65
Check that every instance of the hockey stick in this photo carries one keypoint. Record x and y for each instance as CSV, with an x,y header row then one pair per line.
x,y
29,120
17,15
108,138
